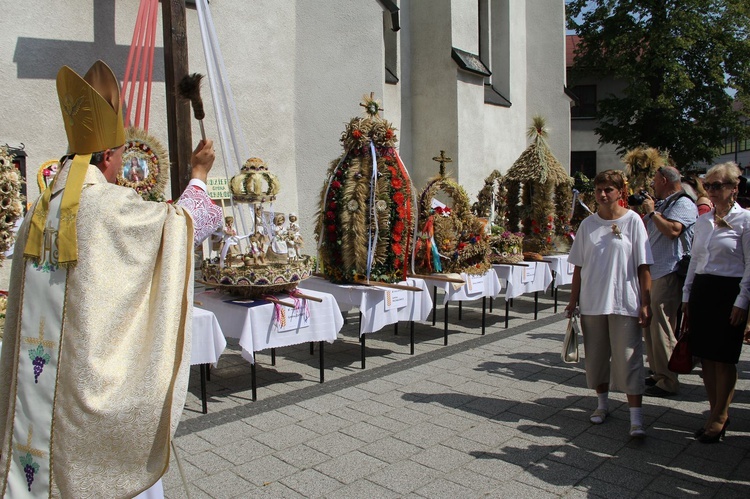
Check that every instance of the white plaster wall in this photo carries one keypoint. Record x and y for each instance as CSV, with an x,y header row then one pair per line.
x,y
434,112
469,166
546,73
339,52
464,28
405,126
505,128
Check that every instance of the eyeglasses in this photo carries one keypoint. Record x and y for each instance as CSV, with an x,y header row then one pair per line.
x,y
715,186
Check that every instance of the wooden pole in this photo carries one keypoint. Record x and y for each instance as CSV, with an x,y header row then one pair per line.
x,y
178,110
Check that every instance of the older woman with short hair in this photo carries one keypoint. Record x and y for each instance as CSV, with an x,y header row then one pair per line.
x,y
716,294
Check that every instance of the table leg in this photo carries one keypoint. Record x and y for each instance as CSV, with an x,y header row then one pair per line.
x,y
208,372
507,302
490,304
312,348
253,383
273,356
555,295
204,399
322,364
395,329
484,312
362,349
361,341
445,322
554,276
411,334
536,303
434,304
460,309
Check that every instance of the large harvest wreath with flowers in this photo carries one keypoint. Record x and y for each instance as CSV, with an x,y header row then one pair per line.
x,y
452,234
365,220
11,201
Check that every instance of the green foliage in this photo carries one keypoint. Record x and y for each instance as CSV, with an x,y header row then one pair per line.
x,y
677,59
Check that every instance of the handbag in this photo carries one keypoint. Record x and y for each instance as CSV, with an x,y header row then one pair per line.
x,y
682,266
569,353
681,360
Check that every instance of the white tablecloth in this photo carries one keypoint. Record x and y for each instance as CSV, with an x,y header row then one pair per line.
x,y
490,287
208,340
371,301
253,323
563,270
513,276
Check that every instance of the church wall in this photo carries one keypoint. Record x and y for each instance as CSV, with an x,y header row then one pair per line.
x,y
339,53
545,70
434,113
505,127
298,71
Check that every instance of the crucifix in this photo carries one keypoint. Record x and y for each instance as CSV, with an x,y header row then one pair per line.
x,y
442,159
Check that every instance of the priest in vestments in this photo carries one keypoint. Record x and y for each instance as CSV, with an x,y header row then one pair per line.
x,y
96,352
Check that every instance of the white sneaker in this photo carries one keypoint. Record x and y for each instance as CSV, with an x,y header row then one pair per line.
x,y
598,416
637,431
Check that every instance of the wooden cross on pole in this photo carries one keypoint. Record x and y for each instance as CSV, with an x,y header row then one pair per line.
x,y
178,110
442,159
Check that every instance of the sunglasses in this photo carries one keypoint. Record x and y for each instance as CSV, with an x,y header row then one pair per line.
x,y
715,186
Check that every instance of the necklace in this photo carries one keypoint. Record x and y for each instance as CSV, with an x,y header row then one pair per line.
x,y
719,221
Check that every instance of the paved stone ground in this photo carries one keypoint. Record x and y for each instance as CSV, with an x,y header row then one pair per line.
x,y
486,416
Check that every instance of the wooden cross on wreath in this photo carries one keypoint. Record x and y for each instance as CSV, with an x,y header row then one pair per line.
x,y
442,159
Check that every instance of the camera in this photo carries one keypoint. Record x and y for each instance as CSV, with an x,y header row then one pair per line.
x,y
638,199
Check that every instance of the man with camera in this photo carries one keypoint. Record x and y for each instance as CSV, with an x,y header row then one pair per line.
x,y
669,221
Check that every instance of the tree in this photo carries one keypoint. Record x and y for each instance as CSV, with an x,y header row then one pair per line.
x,y
685,65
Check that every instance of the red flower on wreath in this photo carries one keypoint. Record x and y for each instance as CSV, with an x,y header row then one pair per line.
x,y
356,134
332,205
397,249
336,184
389,133
331,228
398,198
330,215
396,183
396,236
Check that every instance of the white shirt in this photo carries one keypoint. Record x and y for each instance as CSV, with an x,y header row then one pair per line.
x,y
609,264
721,251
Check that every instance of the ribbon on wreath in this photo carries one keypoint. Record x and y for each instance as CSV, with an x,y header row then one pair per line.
x,y
372,242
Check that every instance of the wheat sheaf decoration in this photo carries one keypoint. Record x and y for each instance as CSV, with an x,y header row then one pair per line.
x,y
539,195
11,201
450,239
365,222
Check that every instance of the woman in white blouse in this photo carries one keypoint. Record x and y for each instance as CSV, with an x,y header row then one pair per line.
x,y
717,293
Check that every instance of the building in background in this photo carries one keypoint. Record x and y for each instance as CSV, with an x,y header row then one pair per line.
x,y
464,76
734,149
587,155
